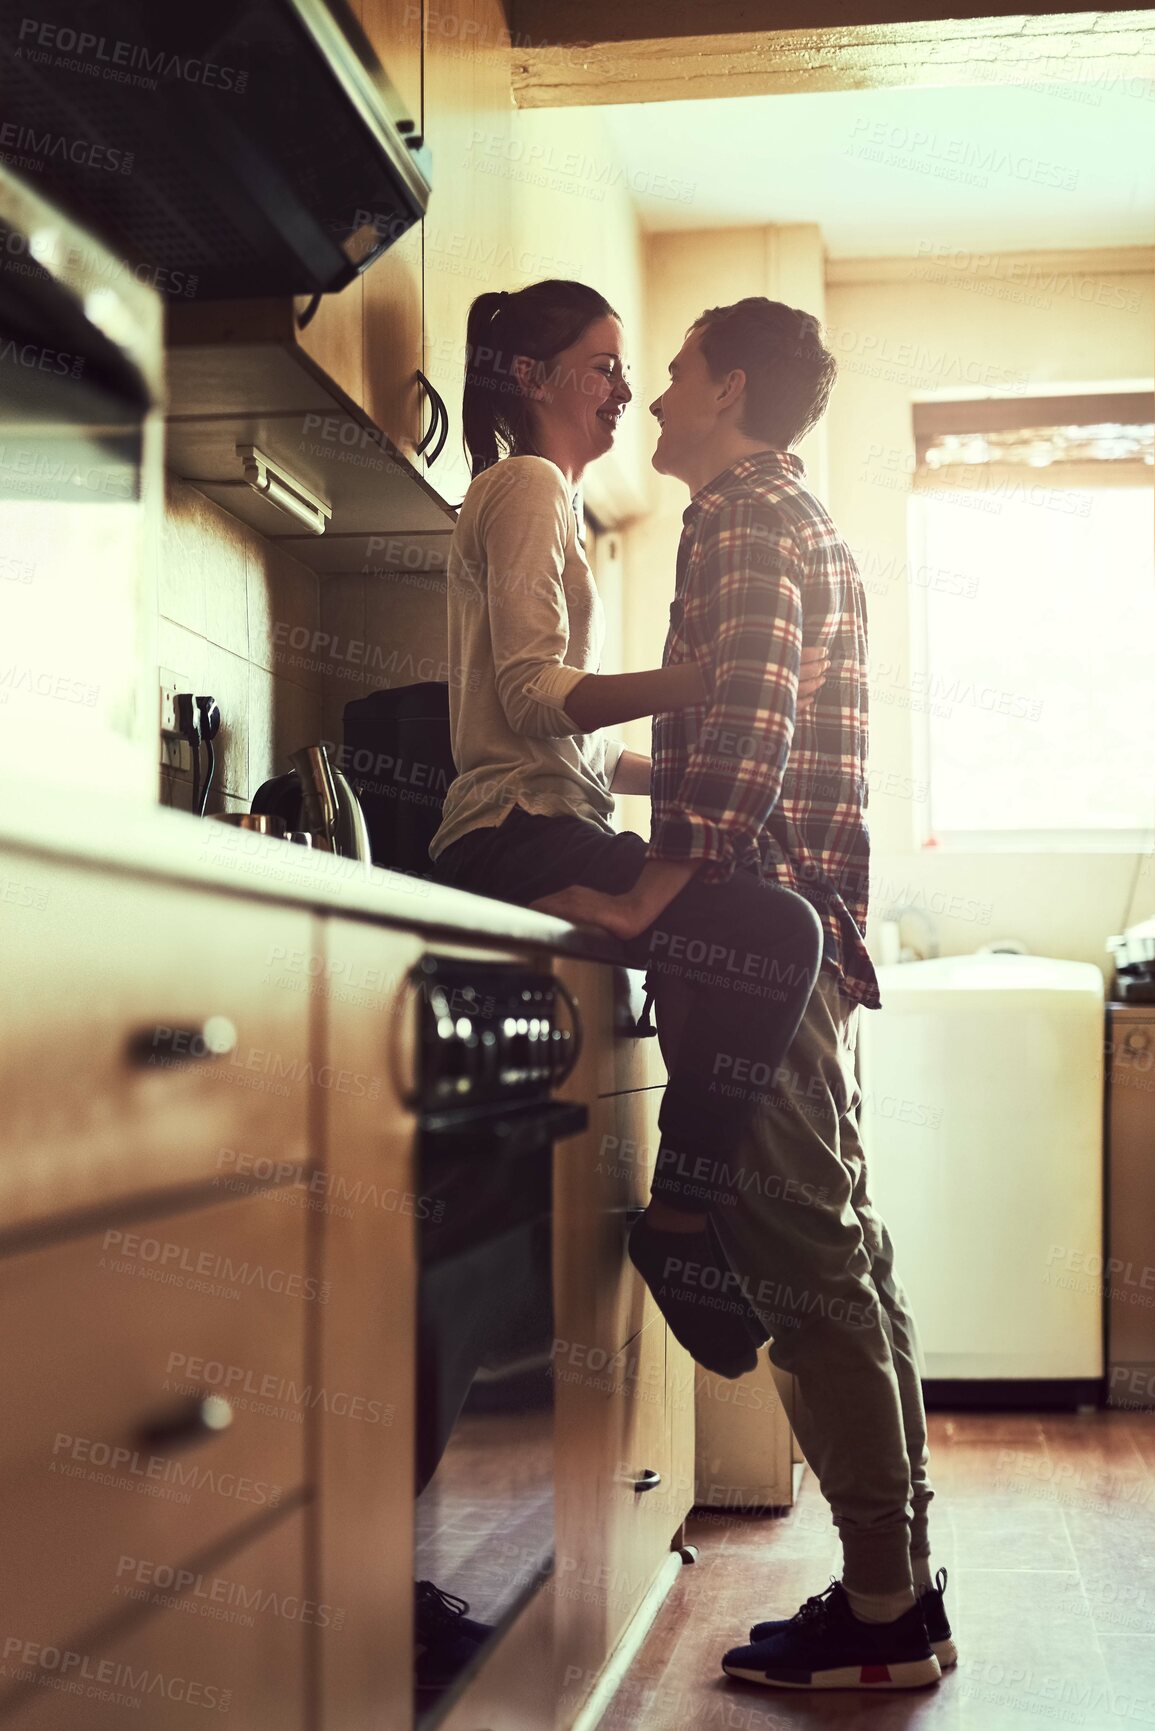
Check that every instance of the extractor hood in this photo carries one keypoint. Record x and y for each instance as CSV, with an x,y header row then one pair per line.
x,y
225,148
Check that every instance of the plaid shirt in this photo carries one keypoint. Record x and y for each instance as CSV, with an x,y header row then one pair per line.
x,y
745,779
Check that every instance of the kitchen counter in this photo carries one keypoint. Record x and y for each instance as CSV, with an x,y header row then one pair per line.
x,y
158,842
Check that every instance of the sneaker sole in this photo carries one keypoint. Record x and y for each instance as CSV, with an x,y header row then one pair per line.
x,y
909,1674
946,1652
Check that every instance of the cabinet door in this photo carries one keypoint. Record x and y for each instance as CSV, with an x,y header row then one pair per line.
x,y
365,1195
113,1338
141,1047
393,303
394,29
622,1496
333,336
468,108
230,1639
392,327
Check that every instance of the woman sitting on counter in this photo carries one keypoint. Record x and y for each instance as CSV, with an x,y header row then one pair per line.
x,y
529,813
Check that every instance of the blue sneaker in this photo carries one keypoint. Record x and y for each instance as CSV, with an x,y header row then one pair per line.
x,y
827,1647
932,1603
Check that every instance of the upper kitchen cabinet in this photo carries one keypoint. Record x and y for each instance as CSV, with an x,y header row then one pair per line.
x,y
392,326
259,425
332,336
302,414
468,127
394,27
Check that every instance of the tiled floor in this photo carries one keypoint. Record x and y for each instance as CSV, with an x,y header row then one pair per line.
x,y
1046,1524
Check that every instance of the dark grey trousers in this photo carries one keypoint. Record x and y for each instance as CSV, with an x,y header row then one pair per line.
x,y
744,955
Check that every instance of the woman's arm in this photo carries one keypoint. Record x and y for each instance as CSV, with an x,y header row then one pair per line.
x,y
523,522
632,774
605,699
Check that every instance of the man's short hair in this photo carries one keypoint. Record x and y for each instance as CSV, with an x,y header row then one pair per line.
x,y
789,372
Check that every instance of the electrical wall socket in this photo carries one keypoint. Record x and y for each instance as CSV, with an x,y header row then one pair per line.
x,y
175,751
170,684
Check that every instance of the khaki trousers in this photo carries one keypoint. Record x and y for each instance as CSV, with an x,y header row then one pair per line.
x,y
817,1264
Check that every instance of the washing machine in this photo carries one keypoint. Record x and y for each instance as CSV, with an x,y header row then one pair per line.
x,y
982,1118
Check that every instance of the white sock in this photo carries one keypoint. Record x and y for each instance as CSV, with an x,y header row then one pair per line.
x,y
920,1569
879,1607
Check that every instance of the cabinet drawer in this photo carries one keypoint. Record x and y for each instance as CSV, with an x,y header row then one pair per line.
x,y
600,1180
107,1335
643,1521
613,1433
100,1101
233,1641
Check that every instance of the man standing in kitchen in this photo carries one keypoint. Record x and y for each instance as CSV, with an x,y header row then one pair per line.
x,y
749,781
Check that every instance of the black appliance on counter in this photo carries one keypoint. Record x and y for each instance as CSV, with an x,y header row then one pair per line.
x,y
492,1047
226,148
397,755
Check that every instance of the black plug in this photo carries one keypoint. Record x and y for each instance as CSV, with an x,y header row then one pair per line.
x,y
187,727
208,718
185,718
208,726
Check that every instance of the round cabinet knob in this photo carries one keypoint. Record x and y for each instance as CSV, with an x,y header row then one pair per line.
x,y
206,1416
1138,1040
184,1043
649,1481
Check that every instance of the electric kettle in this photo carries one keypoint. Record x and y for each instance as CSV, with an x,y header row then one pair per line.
x,y
317,797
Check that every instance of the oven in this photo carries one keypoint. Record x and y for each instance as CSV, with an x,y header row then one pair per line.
x,y
495,1041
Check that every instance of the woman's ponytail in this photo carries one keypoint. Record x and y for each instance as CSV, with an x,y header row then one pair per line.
x,y
478,421
538,322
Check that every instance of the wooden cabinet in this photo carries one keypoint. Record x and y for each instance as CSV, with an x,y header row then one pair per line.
x,y
365,1192
159,1297
394,29
237,368
393,312
334,336
143,1051
625,1389
102,1456
231,1639
209,1282
392,344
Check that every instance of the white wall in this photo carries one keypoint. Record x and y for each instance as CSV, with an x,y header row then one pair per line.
x,y
573,216
964,326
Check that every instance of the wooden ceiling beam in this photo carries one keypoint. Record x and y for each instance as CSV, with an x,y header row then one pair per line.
x,y
567,54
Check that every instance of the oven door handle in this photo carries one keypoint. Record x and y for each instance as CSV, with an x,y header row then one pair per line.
x,y
568,1064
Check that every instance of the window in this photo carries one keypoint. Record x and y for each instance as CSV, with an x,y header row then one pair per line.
x,y
1036,635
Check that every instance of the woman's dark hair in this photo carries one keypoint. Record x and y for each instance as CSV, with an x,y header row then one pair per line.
x,y
789,373
540,321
